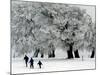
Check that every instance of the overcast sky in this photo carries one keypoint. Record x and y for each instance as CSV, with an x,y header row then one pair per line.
x,y
89,10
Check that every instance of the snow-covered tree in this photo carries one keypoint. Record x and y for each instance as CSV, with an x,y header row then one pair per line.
x,y
42,27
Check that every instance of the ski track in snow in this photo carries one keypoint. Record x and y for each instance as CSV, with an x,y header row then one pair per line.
x,y
18,66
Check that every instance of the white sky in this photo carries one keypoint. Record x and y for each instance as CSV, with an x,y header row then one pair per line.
x,y
89,10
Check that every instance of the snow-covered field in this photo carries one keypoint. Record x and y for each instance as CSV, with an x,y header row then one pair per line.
x,y
18,65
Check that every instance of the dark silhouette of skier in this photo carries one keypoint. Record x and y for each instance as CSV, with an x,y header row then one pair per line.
x,y
26,59
39,63
31,63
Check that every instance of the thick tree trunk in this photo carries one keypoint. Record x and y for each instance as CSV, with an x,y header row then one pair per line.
x,y
36,53
93,54
42,54
51,54
76,53
70,52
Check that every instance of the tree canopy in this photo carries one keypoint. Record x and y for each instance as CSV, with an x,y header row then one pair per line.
x,y
42,25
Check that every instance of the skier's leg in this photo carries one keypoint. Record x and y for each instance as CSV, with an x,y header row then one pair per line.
x,y
33,66
30,65
40,66
26,64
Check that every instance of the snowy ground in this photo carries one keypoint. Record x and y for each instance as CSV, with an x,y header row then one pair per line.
x,y
18,65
